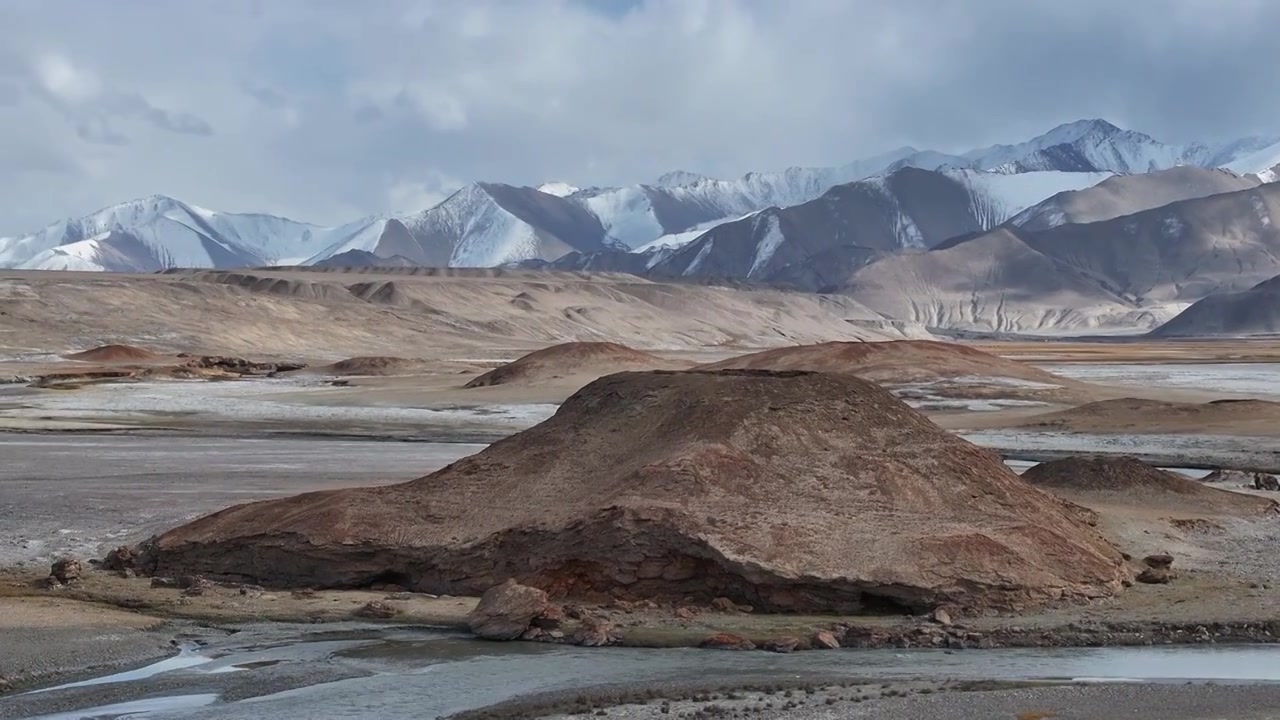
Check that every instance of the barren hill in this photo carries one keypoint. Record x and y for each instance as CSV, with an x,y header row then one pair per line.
x,y
896,361
1125,480
1135,415
573,359
1255,311
373,365
787,491
115,354
327,314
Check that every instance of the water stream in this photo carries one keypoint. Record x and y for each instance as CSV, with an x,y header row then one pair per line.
x,y
406,673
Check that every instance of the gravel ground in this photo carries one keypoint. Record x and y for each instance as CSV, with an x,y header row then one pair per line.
x,y
78,494
914,701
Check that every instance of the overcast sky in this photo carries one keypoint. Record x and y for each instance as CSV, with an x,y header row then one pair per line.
x,y
328,110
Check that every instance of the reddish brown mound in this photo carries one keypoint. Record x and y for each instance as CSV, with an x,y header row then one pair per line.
x,y
894,361
1234,417
569,359
1128,479
374,365
116,354
785,491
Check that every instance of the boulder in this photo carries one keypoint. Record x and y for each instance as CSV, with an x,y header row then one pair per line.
x,y
1263,481
783,645
595,632
120,559
1155,576
505,611
376,610
727,641
1160,561
825,640
66,570
551,618
942,616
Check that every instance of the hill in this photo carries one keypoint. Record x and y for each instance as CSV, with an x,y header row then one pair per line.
x,y
1128,481
806,492
1255,311
573,359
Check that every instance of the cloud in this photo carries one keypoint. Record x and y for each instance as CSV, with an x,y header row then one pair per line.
x,y
327,110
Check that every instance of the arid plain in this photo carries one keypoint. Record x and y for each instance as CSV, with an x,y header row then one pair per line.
x,y
134,404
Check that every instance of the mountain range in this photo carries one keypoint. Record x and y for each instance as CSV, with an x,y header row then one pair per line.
x,y
1088,226
487,224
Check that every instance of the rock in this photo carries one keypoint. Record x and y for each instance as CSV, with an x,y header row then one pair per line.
x,y
120,559
783,645
684,613
376,610
652,519
505,611
1256,480
66,570
824,640
724,604
1161,561
595,632
533,633
195,586
164,582
941,616
551,618
1155,576
727,641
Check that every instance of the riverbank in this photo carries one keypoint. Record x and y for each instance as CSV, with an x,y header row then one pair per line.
x,y
1201,608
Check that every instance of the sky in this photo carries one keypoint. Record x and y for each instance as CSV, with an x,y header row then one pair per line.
x,y
331,110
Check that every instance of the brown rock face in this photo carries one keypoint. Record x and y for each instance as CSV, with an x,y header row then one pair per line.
x,y
825,640
788,491
506,611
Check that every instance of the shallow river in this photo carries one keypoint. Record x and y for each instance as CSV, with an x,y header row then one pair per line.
x,y
403,673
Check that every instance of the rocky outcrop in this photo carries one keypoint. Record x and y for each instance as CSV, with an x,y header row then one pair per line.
x,y
784,491
506,611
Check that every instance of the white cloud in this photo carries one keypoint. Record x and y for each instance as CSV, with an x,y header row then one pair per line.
x,y
326,110
62,79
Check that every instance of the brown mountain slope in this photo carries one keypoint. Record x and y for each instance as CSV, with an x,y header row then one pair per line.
x,y
788,491
992,282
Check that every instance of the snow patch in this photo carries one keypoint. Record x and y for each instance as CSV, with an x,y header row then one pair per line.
x,y
768,245
559,189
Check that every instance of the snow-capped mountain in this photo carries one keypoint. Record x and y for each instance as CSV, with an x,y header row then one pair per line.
x,y
487,224
491,223
160,232
817,244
